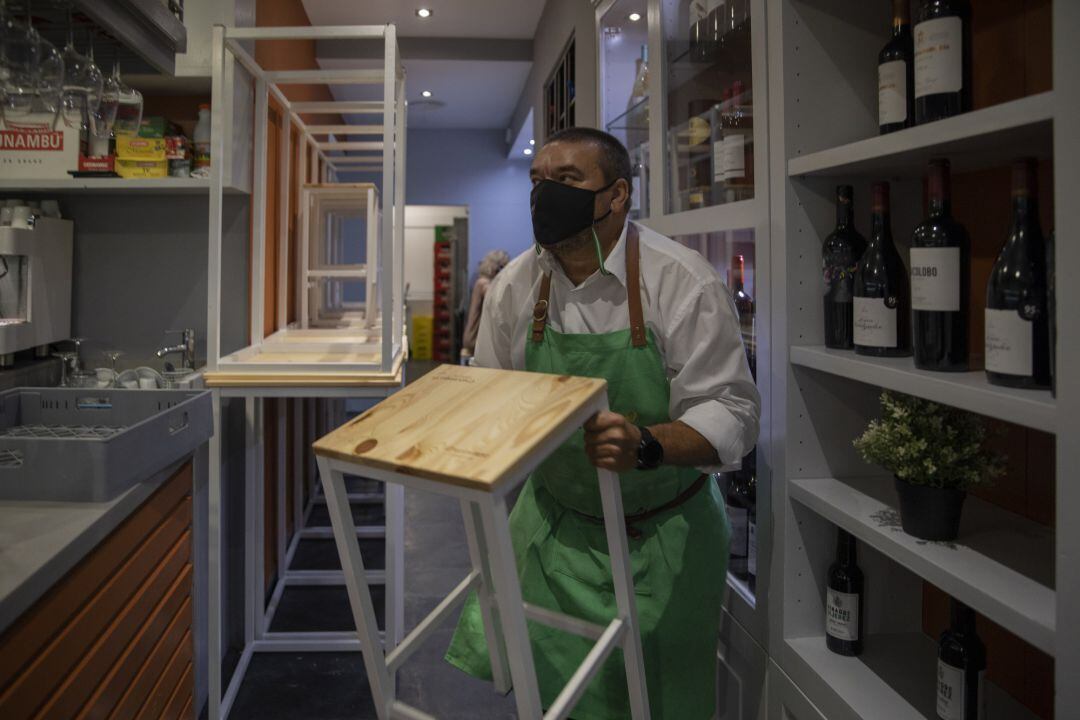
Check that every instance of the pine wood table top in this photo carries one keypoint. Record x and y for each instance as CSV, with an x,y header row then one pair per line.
x,y
471,427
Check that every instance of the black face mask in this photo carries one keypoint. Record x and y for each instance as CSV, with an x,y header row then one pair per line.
x,y
561,211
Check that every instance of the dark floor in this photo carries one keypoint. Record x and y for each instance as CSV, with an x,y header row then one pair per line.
x,y
296,686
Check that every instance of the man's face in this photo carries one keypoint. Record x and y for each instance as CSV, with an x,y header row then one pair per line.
x,y
578,164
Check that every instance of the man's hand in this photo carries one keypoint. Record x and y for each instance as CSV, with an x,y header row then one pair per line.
x,y
611,442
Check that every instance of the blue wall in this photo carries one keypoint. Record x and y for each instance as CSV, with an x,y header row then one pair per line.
x,y
469,167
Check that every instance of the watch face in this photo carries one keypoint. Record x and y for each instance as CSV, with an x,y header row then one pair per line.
x,y
652,453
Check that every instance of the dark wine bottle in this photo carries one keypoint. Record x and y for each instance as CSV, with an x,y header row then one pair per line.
x,y
744,306
844,600
896,74
840,256
738,512
714,29
882,297
961,664
940,278
1017,322
942,60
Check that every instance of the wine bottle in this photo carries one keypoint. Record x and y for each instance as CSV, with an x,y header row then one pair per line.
x,y
961,664
940,276
840,256
738,513
738,149
882,302
844,600
714,29
896,74
1017,324
698,31
744,305
942,60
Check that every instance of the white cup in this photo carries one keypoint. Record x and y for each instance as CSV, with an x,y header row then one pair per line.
x,y
13,202
5,216
22,217
50,208
148,383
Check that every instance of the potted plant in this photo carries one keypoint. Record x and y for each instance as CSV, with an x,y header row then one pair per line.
x,y
936,454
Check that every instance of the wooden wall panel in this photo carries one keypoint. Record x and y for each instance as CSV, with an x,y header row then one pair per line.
x,y
142,686
167,681
1011,50
76,651
1012,664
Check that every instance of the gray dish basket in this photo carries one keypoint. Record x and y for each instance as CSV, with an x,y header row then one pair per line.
x,y
90,445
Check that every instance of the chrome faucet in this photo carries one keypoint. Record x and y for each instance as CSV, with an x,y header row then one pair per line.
x,y
186,348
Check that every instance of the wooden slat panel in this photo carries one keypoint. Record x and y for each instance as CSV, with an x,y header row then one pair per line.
x,y
91,670
171,618
52,665
25,638
187,713
181,696
143,684
167,681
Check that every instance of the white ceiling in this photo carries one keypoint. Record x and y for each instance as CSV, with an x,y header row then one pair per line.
x,y
473,93
451,18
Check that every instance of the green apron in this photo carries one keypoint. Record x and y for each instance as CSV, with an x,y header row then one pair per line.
x,y
678,557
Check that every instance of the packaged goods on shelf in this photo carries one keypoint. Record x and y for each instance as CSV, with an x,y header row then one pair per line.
x,y
140,148
142,168
34,150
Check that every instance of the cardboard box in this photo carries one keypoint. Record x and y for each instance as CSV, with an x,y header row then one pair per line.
x,y
128,168
140,148
421,339
98,163
33,150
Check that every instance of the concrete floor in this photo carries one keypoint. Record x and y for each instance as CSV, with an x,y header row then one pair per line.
x,y
333,686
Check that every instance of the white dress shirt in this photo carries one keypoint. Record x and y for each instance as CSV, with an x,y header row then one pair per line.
x,y
686,305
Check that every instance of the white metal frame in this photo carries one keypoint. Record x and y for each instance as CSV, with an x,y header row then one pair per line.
x,y
387,342
494,577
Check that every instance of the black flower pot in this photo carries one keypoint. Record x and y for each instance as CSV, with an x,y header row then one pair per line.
x,y
930,513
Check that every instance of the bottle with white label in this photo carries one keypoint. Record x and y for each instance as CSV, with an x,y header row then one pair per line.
x,y
738,512
844,600
942,60
896,74
940,278
961,665
1017,341
882,302
737,163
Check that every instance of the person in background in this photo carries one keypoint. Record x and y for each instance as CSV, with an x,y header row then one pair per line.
x,y
489,267
603,297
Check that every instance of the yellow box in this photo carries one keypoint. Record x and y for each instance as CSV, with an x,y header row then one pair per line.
x,y
422,337
127,168
133,147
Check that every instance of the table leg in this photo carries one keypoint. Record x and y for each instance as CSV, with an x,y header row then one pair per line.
x,y
489,611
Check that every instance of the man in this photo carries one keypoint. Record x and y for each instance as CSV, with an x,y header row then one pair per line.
x,y
601,297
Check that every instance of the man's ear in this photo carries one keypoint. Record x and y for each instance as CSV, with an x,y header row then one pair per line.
x,y
620,199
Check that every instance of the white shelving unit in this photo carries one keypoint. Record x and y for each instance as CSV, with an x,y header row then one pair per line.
x,y
116,186
1017,573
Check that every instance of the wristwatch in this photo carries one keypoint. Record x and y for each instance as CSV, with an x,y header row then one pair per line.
x,y
650,452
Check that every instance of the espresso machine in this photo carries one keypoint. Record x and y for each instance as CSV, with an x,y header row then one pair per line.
x,y
35,285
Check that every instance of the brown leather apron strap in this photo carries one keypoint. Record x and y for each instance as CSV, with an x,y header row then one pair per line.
x,y
633,286
632,521
633,294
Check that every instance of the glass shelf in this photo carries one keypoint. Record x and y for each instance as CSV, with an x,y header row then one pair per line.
x,y
636,117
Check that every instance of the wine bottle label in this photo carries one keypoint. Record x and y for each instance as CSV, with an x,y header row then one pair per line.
x,y
1008,345
842,615
751,554
739,520
718,160
939,56
950,692
892,92
935,279
733,163
875,323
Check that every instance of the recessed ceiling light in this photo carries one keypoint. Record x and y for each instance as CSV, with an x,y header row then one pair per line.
x,y
424,13
634,17
426,93
532,142
527,151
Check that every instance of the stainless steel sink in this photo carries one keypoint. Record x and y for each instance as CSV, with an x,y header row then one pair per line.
x,y
90,445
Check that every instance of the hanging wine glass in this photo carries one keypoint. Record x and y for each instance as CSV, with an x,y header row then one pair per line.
x,y
18,60
129,106
103,118
82,85
50,77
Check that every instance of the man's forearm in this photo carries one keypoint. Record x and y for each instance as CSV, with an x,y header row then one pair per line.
x,y
684,446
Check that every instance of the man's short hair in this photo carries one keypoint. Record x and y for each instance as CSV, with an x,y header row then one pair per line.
x,y
614,158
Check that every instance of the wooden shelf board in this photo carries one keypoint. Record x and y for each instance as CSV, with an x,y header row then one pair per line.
x,y
894,679
1002,564
982,138
91,186
470,427
968,391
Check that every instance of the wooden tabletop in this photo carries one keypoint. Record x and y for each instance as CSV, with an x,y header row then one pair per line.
x,y
471,427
